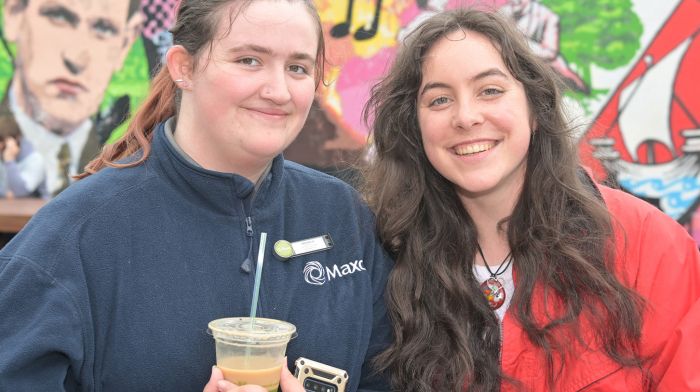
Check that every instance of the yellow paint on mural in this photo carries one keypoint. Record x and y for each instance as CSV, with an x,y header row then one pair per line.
x,y
329,93
363,12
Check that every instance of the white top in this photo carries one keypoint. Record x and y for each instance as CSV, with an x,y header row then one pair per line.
x,y
506,279
28,168
48,143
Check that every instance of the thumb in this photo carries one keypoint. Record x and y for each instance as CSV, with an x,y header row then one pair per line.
x,y
215,377
289,383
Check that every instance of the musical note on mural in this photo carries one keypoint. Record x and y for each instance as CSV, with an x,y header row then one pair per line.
x,y
342,29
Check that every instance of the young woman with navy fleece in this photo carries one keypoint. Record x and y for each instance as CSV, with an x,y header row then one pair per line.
x,y
110,286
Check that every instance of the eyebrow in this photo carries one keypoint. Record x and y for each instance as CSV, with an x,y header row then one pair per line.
x,y
481,75
268,51
53,10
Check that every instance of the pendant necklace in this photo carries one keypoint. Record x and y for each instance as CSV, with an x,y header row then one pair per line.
x,y
492,287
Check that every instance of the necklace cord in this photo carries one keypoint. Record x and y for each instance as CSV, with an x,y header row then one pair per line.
x,y
507,259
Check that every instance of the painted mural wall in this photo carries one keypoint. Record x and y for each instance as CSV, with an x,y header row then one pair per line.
x,y
72,71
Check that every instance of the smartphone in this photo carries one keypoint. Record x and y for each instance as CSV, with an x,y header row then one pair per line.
x,y
319,377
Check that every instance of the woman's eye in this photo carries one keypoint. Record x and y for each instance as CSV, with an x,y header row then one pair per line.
x,y
439,101
248,61
492,91
298,69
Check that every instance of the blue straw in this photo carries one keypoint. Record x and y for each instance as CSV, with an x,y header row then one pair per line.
x,y
258,277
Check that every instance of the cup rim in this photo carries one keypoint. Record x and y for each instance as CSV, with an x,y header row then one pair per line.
x,y
270,331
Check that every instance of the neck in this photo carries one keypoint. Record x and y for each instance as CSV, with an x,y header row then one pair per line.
x,y
487,213
495,246
213,156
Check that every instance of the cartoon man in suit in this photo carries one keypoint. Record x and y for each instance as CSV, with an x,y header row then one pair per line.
x,y
66,54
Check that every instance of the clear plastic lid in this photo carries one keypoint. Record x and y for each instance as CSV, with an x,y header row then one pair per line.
x,y
242,330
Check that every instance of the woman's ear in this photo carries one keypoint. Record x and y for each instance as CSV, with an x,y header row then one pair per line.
x,y
180,66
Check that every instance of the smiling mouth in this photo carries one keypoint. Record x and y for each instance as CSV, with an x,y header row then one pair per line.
x,y
270,112
475,148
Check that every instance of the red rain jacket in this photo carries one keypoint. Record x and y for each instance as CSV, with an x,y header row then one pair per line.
x,y
661,262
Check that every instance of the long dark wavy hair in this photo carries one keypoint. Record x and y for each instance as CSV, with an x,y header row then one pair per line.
x,y
560,233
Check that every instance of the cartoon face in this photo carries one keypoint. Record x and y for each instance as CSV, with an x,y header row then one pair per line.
x,y
67,51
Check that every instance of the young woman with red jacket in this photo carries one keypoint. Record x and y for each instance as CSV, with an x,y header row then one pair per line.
x,y
514,270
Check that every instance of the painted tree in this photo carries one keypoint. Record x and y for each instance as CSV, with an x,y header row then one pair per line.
x,y
602,32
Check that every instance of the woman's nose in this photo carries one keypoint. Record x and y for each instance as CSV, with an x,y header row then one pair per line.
x,y
276,88
467,115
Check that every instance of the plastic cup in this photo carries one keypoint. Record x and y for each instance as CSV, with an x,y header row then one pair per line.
x,y
251,353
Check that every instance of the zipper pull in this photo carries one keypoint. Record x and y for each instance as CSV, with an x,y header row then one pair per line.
x,y
247,264
249,226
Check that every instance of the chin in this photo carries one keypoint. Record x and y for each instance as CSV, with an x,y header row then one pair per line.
x,y
73,112
271,149
268,153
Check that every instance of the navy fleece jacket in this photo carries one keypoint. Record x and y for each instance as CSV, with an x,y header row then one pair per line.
x,y
111,285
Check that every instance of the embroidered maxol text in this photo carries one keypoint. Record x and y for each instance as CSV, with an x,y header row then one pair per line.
x,y
317,274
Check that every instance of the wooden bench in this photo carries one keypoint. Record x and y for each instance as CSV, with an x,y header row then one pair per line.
x,y
14,214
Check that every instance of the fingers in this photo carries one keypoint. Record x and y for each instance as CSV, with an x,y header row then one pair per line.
x,y
288,382
225,386
218,384
215,377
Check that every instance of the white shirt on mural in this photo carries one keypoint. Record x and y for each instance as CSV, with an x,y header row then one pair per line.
x,y
48,143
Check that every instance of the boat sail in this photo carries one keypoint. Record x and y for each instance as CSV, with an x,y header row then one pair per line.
x,y
645,105
645,115
647,136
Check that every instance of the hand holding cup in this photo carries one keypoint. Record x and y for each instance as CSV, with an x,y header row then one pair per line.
x,y
217,383
251,351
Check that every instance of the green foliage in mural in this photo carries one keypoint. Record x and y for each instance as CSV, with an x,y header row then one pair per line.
x,y
132,80
5,63
601,32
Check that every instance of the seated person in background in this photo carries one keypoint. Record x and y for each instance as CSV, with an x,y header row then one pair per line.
x,y
21,169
